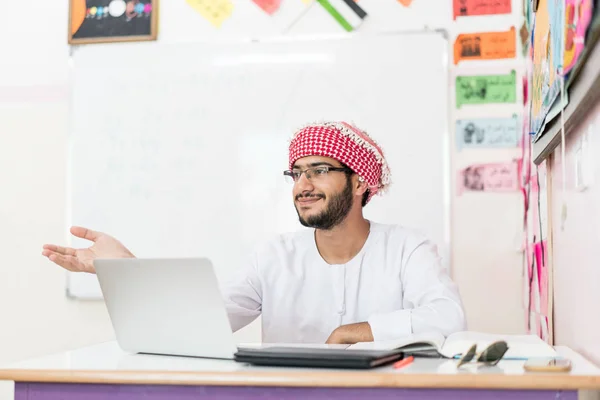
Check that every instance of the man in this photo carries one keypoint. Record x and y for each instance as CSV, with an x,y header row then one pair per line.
x,y
345,281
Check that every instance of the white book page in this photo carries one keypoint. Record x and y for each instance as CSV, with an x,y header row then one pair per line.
x,y
300,345
519,346
435,340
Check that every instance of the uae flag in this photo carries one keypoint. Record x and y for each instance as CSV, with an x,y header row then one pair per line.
x,y
346,12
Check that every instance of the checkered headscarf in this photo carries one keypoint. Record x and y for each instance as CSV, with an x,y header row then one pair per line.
x,y
347,144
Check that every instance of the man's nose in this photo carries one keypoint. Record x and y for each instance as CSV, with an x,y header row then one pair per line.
x,y
303,184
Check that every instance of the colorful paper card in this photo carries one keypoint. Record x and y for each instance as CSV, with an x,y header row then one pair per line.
x,y
548,56
525,144
214,11
533,183
488,132
525,280
468,8
486,89
485,46
528,178
545,329
268,6
534,292
534,302
541,255
524,37
532,289
578,17
495,177
533,324
539,264
525,31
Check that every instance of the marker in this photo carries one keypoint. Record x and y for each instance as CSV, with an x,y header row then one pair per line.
x,y
403,362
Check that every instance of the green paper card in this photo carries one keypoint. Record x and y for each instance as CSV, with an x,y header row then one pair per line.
x,y
486,89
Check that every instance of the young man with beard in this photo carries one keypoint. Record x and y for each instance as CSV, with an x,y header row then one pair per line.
x,y
345,281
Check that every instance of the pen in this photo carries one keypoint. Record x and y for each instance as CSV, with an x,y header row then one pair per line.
x,y
403,362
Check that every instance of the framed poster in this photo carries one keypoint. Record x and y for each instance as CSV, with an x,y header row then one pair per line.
x,y
102,21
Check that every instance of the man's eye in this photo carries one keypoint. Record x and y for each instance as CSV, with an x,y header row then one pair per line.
x,y
321,171
296,175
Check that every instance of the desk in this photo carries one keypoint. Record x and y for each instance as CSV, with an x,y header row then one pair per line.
x,y
104,371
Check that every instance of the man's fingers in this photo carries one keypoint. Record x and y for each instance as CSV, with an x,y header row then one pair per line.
x,y
67,262
61,260
84,233
68,251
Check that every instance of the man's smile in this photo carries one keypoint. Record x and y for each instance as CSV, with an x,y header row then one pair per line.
x,y
306,201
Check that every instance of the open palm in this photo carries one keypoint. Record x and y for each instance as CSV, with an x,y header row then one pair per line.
x,y
82,260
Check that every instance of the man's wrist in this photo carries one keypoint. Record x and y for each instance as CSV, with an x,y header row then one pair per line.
x,y
341,334
353,333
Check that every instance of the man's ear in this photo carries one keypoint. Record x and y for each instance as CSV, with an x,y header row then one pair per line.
x,y
361,186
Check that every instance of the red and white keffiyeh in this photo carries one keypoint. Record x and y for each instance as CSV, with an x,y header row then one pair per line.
x,y
347,144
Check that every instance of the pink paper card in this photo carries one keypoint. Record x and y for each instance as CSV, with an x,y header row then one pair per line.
x,y
535,216
579,15
541,255
268,6
533,282
496,177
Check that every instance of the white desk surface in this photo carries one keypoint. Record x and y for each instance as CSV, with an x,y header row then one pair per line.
x,y
107,363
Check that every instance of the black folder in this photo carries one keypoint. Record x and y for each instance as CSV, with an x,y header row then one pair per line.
x,y
286,356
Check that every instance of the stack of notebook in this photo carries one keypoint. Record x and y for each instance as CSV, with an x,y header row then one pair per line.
x,y
374,354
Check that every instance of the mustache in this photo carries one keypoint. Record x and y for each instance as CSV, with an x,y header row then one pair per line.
x,y
309,195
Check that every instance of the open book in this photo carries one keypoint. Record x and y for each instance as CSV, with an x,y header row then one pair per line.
x,y
520,347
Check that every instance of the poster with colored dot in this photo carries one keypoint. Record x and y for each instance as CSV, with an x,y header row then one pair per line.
x,y
101,21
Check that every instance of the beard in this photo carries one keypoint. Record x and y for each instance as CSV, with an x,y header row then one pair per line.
x,y
338,208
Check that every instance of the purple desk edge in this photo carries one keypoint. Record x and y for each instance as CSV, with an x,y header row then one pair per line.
x,y
82,391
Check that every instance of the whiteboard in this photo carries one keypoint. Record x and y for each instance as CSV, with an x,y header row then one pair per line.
x,y
178,150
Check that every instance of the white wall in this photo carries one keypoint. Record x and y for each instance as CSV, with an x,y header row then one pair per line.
x,y
575,250
37,318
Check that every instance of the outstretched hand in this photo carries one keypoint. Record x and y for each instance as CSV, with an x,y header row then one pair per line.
x,y
82,260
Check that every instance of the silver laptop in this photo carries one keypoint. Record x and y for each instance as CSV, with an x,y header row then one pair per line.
x,y
166,306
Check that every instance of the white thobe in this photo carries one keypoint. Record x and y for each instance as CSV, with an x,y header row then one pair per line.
x,y
396,283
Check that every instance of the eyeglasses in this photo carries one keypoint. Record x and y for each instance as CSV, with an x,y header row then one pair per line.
x,y
313,174
491,355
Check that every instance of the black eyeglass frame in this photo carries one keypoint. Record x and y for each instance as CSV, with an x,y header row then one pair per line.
x,y
290,173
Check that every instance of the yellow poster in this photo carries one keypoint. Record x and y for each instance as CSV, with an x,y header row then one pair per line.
x,y
214,11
